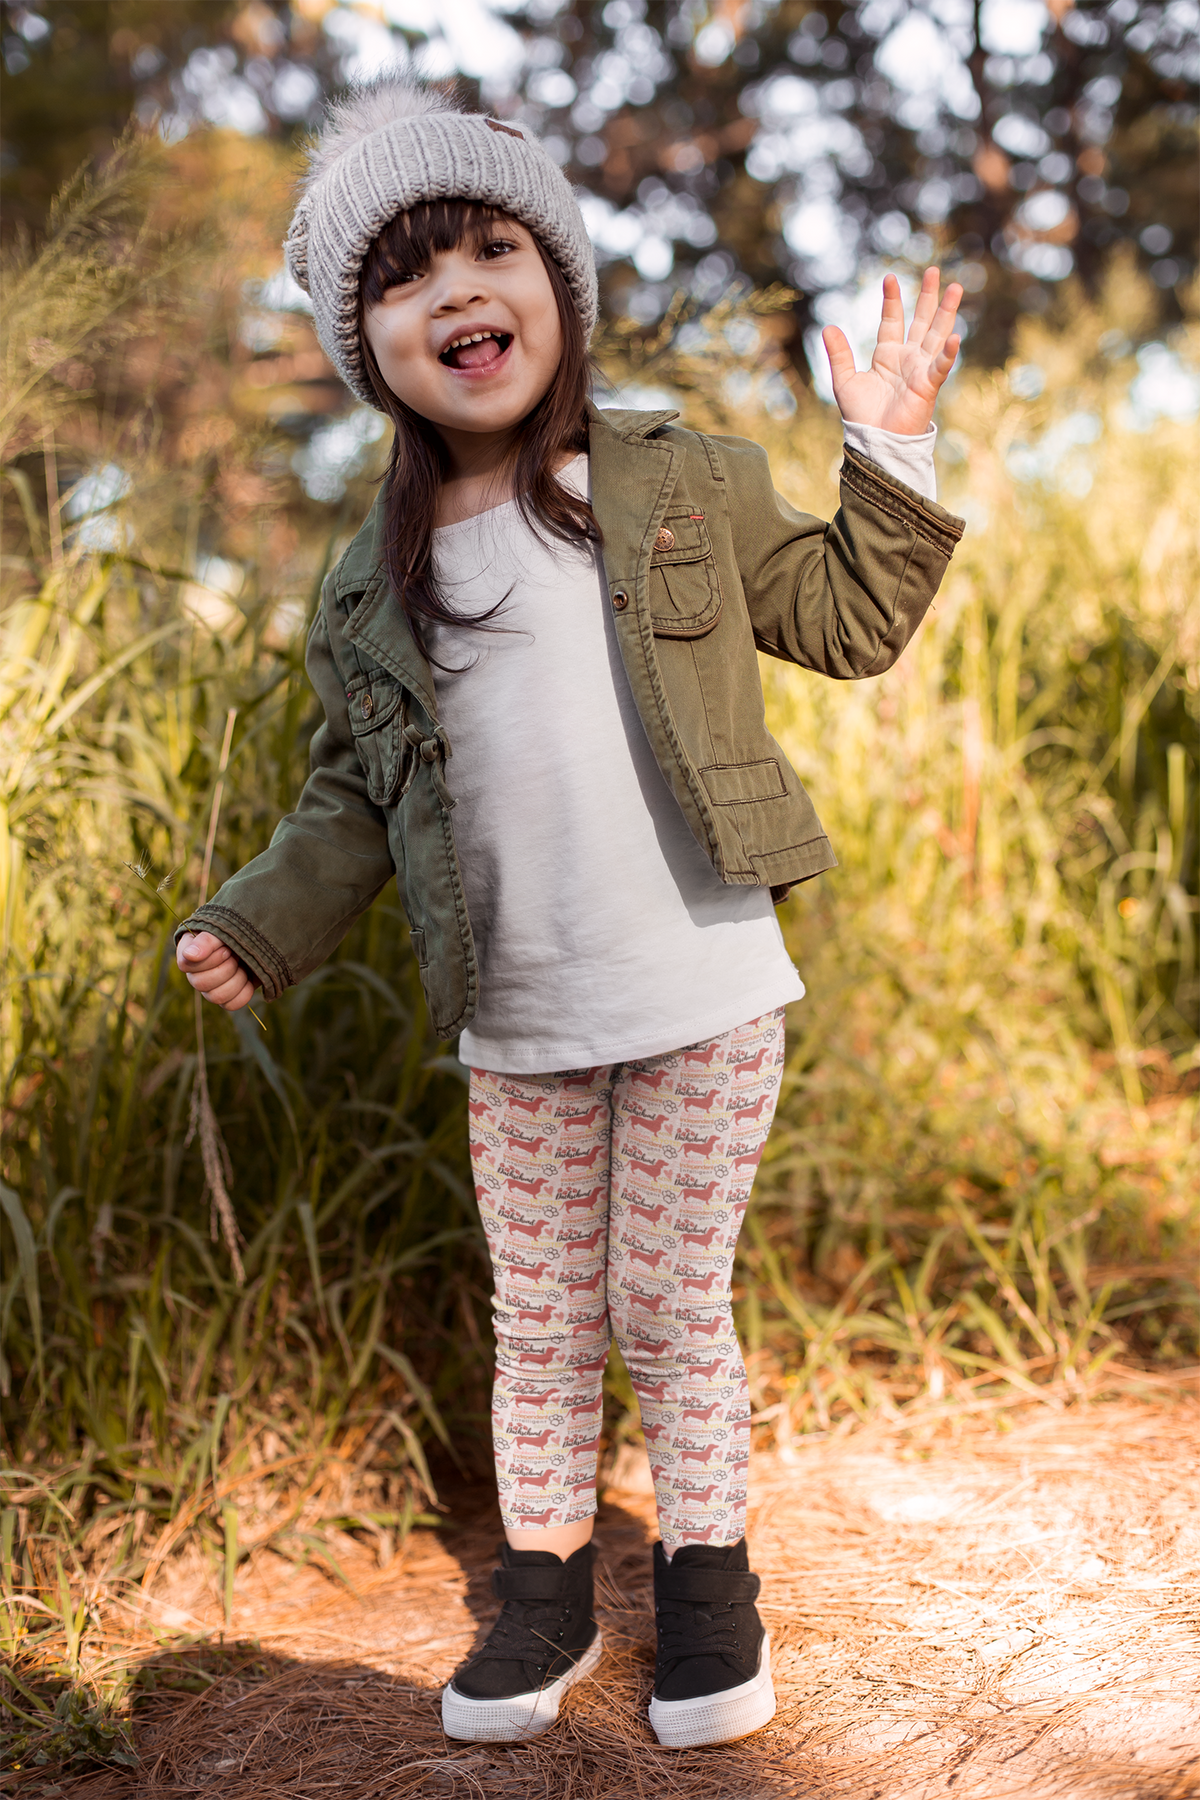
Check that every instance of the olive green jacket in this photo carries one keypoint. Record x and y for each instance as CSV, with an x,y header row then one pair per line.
x,y
706,564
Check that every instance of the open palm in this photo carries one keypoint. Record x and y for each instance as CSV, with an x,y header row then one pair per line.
x,y
898,391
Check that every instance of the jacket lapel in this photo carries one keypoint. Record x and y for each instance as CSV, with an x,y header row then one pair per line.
x,y
633,479
377,623
633,482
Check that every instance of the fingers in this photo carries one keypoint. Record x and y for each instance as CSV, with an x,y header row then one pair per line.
x,y
214,971
196,950
933,323
241,995
231,993
928,316
891,323
932,333
941,365
229,987
841,356
926,306
943,321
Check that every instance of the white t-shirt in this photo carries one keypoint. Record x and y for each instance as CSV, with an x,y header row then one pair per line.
x,y
602,930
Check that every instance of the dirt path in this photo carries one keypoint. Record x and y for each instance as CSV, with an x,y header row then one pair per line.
x,y
997,1615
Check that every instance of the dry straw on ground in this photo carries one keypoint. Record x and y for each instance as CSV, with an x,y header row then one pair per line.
x,y
978,1610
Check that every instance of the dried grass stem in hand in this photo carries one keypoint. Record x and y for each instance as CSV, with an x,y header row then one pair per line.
x,y
218,1168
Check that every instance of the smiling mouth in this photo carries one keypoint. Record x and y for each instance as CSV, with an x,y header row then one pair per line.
x,y
476,349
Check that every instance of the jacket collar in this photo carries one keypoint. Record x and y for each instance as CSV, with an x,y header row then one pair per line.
x,y
631,427
629,496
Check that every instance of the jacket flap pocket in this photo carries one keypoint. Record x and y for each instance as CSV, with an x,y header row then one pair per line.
x,y
685,598
682,537
736,784
372,700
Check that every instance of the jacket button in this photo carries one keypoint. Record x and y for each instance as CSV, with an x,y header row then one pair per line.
x,y
620,600
665,539
368,706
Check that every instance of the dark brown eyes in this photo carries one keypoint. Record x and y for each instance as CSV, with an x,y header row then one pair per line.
x,y
501,247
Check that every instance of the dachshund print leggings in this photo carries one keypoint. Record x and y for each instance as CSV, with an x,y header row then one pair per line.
x,y
612,1200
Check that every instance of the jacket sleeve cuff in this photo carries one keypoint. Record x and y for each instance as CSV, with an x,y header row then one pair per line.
x,y
255,952
869,482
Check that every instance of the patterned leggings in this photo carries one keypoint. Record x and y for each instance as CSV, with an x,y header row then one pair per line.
x,y
612,1200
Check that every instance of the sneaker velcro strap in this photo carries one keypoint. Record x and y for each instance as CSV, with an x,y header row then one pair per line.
x,y
545,1583
721,1587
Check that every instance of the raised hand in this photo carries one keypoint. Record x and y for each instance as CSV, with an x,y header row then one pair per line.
x,y
898,391
214,970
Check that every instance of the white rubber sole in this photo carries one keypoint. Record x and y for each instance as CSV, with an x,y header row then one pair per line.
x,y
520,1716
717,1718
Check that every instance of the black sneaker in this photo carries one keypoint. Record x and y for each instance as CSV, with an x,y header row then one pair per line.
x,y
544,1640
712,1675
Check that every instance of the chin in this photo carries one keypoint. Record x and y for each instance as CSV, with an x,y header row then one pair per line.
x,y
505,421
493,413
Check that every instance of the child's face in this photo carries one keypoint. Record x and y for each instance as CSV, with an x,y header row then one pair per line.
x,y
501,288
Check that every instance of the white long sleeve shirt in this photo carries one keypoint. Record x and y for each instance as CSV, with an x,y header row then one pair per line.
x,y
602,930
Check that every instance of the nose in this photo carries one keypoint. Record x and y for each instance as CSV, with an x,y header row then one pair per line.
x,y
457,285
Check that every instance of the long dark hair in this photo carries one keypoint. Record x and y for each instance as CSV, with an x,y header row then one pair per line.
x,y
420,462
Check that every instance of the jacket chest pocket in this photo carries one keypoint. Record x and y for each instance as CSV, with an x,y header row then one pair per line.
x,y
685,594
375,703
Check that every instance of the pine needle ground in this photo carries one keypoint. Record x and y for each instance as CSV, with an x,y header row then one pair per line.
x,y
978,1608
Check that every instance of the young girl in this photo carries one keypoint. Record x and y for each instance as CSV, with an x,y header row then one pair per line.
x,y
543,716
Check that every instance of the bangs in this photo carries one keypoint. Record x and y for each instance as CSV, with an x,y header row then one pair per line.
x,y
409,242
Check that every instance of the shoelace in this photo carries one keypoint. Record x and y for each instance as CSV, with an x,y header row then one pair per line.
x,y
686,1629
516,1637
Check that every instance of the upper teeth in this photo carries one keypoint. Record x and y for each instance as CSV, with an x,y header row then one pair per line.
x,y
475,337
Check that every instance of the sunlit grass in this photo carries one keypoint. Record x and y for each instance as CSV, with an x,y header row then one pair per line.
x,y
983,1179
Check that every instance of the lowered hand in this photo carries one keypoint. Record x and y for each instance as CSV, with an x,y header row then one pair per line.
x,y
214,970
898,391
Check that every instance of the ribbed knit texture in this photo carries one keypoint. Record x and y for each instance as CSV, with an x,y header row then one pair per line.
x,y
388,147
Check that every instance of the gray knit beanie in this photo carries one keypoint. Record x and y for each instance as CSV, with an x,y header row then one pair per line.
x,y
390,145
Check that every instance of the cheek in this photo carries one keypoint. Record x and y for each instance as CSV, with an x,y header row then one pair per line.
x,y
375,334
400,367
548,335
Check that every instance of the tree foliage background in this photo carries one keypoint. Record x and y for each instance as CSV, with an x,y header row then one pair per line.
x,y
778,140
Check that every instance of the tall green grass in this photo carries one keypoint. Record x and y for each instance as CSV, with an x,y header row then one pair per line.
x,y
162,1380
982,1183
984,1177
134,1352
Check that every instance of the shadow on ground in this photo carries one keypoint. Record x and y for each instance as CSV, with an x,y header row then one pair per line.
x,y
976,1614
239,1719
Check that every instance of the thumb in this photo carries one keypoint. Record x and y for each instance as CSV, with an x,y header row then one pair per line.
x,y
194,946
841,356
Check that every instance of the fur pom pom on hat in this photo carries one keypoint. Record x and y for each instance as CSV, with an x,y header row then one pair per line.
x,y
390,145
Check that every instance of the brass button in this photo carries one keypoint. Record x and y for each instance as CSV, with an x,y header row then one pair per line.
x,y
665,539
368,706
620,600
